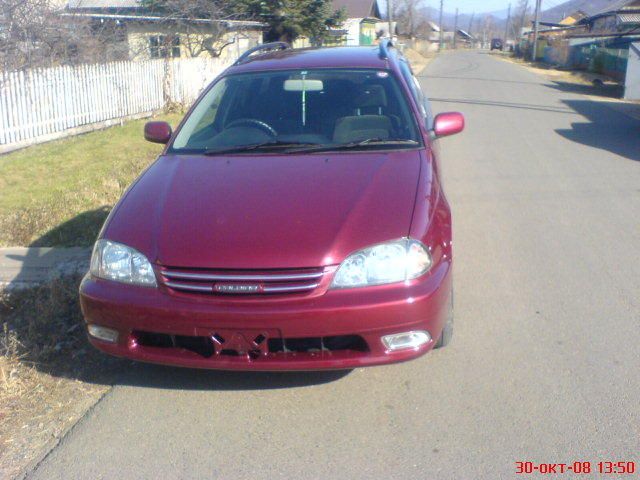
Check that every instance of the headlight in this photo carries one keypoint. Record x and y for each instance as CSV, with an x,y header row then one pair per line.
x,y
114,261
390,262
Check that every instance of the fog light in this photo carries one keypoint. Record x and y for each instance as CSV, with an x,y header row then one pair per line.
x,y
400,341
103,333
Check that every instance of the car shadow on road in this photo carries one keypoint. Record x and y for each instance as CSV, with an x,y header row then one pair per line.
x,y
600,90
175,378
606,128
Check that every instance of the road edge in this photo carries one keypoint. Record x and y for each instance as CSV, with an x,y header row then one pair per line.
x,y
48,449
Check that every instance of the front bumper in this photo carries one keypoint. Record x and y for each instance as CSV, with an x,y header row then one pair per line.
x,y
369,313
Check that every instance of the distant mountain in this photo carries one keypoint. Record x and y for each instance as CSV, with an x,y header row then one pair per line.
x,y
588,7
498,20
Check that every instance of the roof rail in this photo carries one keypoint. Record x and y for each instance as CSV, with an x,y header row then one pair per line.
x,y
265,47
385,45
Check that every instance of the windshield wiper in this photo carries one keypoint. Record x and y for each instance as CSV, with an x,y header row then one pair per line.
x,y
256,146
369,142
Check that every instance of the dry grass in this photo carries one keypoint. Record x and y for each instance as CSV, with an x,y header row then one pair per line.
x,y
418,60
49,374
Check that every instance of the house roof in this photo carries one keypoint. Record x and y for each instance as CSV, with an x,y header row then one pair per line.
x,y
359,8
617,5
229,24
629,17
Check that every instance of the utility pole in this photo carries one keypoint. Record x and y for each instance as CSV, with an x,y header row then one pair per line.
x,y
441,27
455,31
471,23
535,30
506,28
390,15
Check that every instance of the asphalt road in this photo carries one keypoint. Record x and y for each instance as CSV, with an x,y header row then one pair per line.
x,y
544,364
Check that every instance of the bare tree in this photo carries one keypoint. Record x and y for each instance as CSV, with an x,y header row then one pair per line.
x,y
523,14
489,28
411,20
34,34
201,25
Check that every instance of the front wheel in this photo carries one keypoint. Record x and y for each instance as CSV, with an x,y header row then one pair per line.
x,y
447,331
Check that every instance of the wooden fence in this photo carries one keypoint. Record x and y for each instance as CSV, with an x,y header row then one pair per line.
x,y
43,104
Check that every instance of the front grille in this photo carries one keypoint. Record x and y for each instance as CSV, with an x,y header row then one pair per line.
x,y
262,347
242,282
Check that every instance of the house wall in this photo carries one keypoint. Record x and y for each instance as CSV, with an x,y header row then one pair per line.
x,y
352,26
138,35
301,42
557,52
360,31
367,32
604,24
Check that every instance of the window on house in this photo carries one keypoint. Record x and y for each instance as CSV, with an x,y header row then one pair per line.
x,y
164,46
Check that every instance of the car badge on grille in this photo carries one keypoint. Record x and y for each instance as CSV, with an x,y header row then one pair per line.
x,y
237,288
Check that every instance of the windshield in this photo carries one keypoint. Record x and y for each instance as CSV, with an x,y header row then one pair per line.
x,y
294,108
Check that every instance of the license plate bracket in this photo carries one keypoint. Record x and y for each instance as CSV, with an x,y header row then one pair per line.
x,y
246,342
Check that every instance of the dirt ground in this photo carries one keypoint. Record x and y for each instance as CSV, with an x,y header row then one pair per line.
x,y
418,61
49,375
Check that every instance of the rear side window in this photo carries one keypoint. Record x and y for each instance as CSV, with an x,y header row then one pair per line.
x,y
418,95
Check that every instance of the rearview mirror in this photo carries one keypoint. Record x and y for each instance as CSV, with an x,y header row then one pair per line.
x,y
157,132
300,85
448,123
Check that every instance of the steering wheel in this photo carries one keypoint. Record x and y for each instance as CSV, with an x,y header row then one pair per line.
x,y
252,122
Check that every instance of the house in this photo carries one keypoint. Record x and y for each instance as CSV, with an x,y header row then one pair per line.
x,y
623,16
360,26
142,34
432,32
464,38
584,12
617,17
598,42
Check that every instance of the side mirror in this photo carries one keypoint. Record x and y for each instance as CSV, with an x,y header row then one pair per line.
x,y
448,123
157,132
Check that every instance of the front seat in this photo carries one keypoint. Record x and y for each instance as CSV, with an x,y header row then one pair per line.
x,y
368,120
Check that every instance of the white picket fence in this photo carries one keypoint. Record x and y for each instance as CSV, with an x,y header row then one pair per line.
x,y
42,104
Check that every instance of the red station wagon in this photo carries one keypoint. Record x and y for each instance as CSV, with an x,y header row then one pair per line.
x,y
294,221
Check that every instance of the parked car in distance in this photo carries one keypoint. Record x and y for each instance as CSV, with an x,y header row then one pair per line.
x,y
295,220
496,44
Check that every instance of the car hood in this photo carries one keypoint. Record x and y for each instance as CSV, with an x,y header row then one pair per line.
x,y
271,211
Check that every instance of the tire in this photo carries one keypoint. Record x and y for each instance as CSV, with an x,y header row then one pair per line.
x,y
447,331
